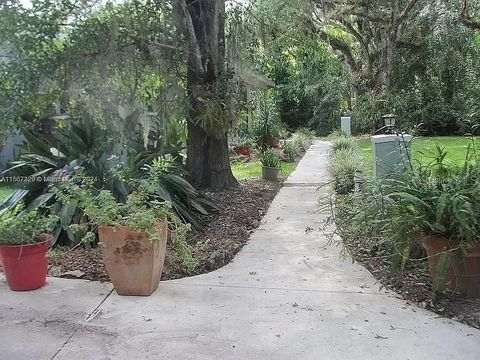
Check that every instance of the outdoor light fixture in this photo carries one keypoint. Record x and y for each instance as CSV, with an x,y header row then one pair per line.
x,y
389,122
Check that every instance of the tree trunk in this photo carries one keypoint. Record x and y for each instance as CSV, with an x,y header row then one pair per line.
x,y
207,152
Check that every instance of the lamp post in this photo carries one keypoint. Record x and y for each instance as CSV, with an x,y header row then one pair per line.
x,y
389,120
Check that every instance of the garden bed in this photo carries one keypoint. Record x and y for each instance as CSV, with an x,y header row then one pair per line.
x,y
227,230
415,285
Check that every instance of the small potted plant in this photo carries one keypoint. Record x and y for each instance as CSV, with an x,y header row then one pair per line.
x,y
24,242
270,165
133,235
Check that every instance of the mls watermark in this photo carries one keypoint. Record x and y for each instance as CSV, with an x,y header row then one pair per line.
x,y
32,179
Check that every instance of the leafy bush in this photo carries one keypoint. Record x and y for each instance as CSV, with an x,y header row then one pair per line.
x,y
290,151
139,212
23,228
270,159
434,199
343,143
344,164
302,139
84,144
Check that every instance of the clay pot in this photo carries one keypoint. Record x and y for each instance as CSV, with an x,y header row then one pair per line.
x,y
270,173
133,262
454,270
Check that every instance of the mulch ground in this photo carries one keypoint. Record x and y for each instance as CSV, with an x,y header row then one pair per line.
x,y
227,230
415,285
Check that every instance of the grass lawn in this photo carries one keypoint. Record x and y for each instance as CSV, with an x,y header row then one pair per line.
x,y
424,148
253,169
4,192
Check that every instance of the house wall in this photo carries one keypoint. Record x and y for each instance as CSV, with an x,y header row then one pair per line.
x,y
11,148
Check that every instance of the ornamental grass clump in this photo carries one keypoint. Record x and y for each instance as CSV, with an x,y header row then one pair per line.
x,y
343,143
270,159
343,166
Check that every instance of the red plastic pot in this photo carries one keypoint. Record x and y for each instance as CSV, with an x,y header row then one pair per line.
x,y
25,266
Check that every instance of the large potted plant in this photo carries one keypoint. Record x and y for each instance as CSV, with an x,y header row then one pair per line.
x,y
133,235
438,204
270,165
24,242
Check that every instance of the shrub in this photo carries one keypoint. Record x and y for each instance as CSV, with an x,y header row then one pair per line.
x,y
302,139
434,199
343,143
290,151
343,165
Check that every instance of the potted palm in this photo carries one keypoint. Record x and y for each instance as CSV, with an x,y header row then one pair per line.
x,y
24,243
270,165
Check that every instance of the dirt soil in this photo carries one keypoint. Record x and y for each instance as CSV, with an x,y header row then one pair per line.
x,y
240,212
415,285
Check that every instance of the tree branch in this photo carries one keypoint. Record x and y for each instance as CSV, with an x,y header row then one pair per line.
x,y
404,14
195,48
341,46
466,19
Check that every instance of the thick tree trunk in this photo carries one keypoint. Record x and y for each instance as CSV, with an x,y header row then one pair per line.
x,y
207,152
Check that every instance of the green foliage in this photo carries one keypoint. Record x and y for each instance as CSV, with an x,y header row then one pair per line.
x,y
301,140
266,125
140,211
19,227
83,144
435,199
270,159
290,151
343,143
345,163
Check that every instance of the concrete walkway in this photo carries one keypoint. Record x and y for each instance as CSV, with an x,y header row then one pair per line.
x,y
287,295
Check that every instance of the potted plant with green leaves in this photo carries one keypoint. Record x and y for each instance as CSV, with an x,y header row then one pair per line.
x,y
270,165
24,242
133,235
439,205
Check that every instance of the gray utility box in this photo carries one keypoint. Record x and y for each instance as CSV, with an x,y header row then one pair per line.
x,y
390,153
346,124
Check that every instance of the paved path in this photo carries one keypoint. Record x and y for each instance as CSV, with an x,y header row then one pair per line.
x,y
287,295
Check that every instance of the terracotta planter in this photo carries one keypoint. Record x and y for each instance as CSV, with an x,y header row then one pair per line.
x,y
132,261
269,173
455,271
25,266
